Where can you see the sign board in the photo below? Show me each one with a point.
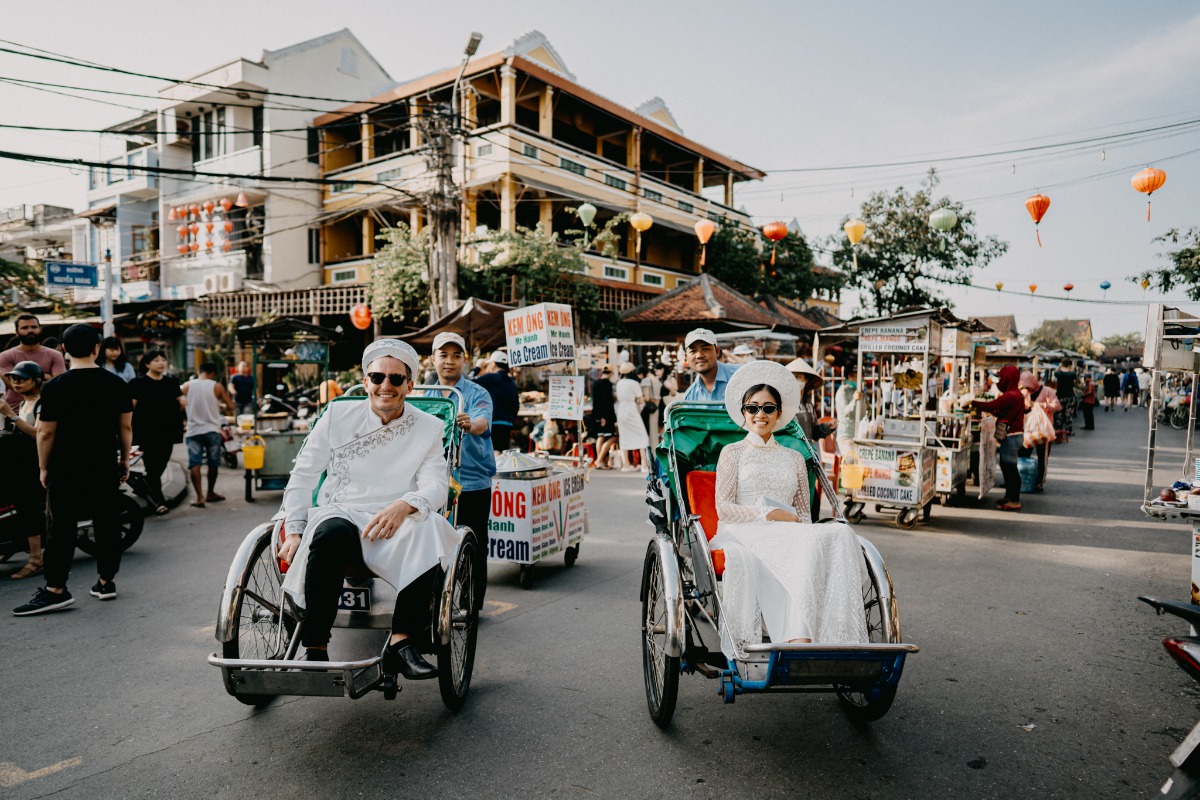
(566, 397)
(987, 455)
(540, 334)
(891, 476)
(892, 339)
(532, 519)
(72, 273)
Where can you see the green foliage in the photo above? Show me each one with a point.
(734, 258)
(29, 283)
(400, 280)
(1131, 339)
(1052, 335)
(1183, 271)
(901, 259)
(742, 259)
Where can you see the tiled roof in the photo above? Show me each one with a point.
(796, 317)
(1004, 327)
(705, 299)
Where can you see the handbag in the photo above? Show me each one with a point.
(1039, 428)
(1001, 431)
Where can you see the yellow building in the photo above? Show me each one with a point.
(537, 143)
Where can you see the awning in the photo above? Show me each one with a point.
(480, 322)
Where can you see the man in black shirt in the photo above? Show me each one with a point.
(84, 436)
(604, 416)
(505, 400)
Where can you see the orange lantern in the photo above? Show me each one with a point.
(208, 244)
(1067, 287)
(1037, 206)
(641, 222)
(226, 204)
(194, 246)
(360, 316)
(228, 226)
(208, 226)
(182, 230)
(704, 229)
(227, 246)
(241, 201)
(194, 227)
(194, 210)
(999, 285)
(775, 231)
(171, 216)
(1145, 284)
(1032, 288)
(208, 206)
(1149, 181)
(183, 248)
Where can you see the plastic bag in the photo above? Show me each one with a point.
(1039, 428)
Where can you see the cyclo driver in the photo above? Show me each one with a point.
(371, 453)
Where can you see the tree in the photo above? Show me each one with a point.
(741, 259)
(901, 259)
(400, 280)
(1052, 335)
(1131, 339)
(22, 284)
(1184, 268)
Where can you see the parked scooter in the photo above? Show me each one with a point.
(1184, 783)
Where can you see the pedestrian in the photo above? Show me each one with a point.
(850, 408)
(477, 460)
(1065, 380)
(27, 348)
(1130, 386)
(241, 386)
(205, 397)
(810, 382)
(113, 359)
(506, 401)
(1088, 401)
(1048, 400)
(19, 461)
(709, 375)
(631, 430)
(1112, 389)
(651, 399)
(1144, 381)
(1009, 411)
(84, 435)
(604, 416)
(158, 408)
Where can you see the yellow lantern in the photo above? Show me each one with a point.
(1145, 284)
(641, 221)
(855, 229)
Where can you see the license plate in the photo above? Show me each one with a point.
(354, 599)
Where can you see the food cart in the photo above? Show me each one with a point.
(537, 501)
(906, 442)
(293, 354)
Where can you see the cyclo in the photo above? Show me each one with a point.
(681, 588)
(259, 626)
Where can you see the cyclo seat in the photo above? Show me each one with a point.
(702, 500)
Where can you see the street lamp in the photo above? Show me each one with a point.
(468, 51)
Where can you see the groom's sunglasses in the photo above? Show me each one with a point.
(754, 408)
(397, 379)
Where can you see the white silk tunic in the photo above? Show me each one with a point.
(369, 465)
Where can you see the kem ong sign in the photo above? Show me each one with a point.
(540, 334)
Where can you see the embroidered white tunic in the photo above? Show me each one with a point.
(804, 581)
(369, 465)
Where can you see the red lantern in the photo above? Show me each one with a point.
(194, 246)
(775, 231)
(226, 204)
(228, 226)
(208, 206)
(1067, 287)
(208, 226)
(194, 210)
(1037, 206)
(183, 248)
(1148, 181)
(360, 316)
(208, 244)
(182, 230)
(704, 230)
(194, 227)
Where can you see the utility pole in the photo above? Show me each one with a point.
(442, 207)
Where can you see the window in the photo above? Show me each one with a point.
(650, 279)
(615, 182)
(208, 130)
(686, 207)
(682, 282)
(529, 151)
(314, 245)
(619, 273)
(314, 146)
(256, 135)
(572, 166)
(341, 186)
(650, 194)
(483, 150)
(344, 276)
(715, 217)
(390, 174)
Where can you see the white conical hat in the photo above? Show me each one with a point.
(777, 376)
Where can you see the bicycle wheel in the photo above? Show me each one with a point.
(660, 670)
(867, 704)
(456, 659)
(262, 626)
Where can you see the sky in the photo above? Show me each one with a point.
(778, 85)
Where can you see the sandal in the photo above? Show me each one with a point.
(161, 510)
(198, 505)
(215, 498)
(32, 567)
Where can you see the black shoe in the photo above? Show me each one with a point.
(44, 601)
(402, 658)
(104, 591)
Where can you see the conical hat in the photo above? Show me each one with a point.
(770, 373)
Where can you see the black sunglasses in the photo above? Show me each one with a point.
(397, 379)
(753, 408)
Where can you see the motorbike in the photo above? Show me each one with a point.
(1184, 783)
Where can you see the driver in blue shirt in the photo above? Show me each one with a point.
(710, 375)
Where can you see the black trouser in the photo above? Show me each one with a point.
(155, 457)
(336, 544)
(474, 509)
(501, 434)
(67, 505)
(1089, 410)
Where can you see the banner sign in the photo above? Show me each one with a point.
(892, 339)
(532, 519)
(72, 273)
(539, 334)
(566, 397)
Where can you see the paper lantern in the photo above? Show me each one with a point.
(776, 232)
(1032, 288)
(208, 244)
(227, 246)
(208, 206)
(241, 201)
(641, 221)
(1149, 181)
(1104, 287)
(855, 229)
(229, 226)
(1067, 287)
(172, 216)
(1145, 284)
(194, 227)
(587, 213)
(182, 230)
(194, 210)
(704, 229)
(226, 204)
(208, 226)
(999, 285)
(360, 316)
(183, 248)
(1037, 205)
(944, 219)
(194, 246)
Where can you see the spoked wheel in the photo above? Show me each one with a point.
(130, 520)
(867, 704)
(661, 671)
(262, 626)
(456, 659)
(1179, 417)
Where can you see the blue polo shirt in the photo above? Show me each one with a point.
(478, 460)
(697, 392)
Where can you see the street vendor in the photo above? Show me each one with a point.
(385, 481)
(710, 376)
(478, 465)
(850, 408)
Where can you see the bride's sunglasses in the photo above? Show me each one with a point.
(754, 408)
(397, 379)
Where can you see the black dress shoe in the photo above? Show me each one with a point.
(402, 658)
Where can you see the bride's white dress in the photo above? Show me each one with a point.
(802, 580)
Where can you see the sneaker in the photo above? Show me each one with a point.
(44, 601)
(104, 591)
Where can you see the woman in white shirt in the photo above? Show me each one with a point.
(631, 432)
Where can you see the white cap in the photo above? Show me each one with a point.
(498, 357)
(743, 350)
(394, 348)
(448, 337)
(700, 335)
(625, 368)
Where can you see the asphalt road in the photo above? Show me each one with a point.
(1023, 619)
